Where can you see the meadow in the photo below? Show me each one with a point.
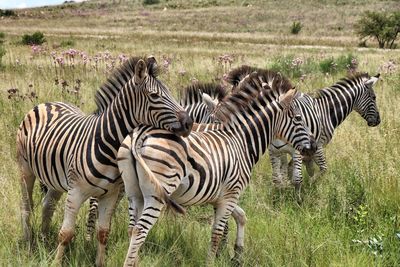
(350, 217)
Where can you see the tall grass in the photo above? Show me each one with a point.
(350, 217)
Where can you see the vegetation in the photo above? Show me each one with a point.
(296, 27)
(36, 38)
(2, 49)
(350, 217)
(7, 13)
(383, 27)
(151, 2)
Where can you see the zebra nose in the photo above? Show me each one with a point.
(186, 123)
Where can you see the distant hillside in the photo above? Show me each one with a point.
(330, 21)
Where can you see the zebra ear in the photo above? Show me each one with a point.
(286, 99)
(210, 103)
(140, 71)
(152, 64)
(372, 81)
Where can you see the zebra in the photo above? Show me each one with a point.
(76, 153)
(192, 102)
(323, 113)
(211, 166)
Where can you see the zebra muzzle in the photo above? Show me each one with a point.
(185, 124)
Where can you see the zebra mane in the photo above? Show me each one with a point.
(353, 77)
(117, 80)
(276, 81)
(193, 93)
(248, 92)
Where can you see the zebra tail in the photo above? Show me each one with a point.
(136, 145)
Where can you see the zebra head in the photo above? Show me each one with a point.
(366, 103)
(162, 110)
(291, 126)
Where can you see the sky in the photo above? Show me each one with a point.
(4, 4)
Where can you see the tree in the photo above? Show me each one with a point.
(381, 26)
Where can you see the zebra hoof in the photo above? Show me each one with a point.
(236, 262)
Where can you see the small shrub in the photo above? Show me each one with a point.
(67, 43)
(384, 27)
(35, 39)
(296, 27)
(150, 2)
(342, 63)
(7, 13)
(328, 66)
(293, 67)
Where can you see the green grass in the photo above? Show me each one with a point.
(357, 199)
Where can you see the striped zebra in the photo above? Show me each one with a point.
(192, 102)
(76, 153)
(323, 113)
(214, 166)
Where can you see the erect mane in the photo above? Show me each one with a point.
(117, 80)
(354, 78)
(278, 83)
(248, 92)
(193, 93)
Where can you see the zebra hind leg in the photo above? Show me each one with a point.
(240, 218)
(224, 239)
(27, 182)
(319, 158)
(92, 218)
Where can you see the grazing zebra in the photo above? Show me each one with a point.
(192, 102)
(211, 166)
(323, 113)
(76, 153)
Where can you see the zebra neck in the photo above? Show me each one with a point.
(255, 129)
(117, 120)
(337, 102)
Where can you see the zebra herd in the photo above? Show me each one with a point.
(166, 154)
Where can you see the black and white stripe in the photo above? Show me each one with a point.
(76, 153)
(211, 166)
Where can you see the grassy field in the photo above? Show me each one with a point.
(351, 217)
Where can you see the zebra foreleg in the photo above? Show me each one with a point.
(222, 214)
(49, 205)
(106, 206)
(319, 158)
(240, 218)
(74, 200)
(297, 178)
(276, 168)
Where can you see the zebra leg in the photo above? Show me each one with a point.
(297, 178)
(126, 165)
(319, 158)
(49, 205)
(240, 218)
(151, 212)
(284, 168)
(276, 168)
(27, 182)
(74, 200)
(106, 207)
(223, 212)
(224, 238)
(92, 217)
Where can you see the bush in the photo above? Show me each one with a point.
(342, 63)
(67, 43)
(293, 67)
(35, 39)
(7, 13)
(296, 27)
(381, 26)
(150, 2)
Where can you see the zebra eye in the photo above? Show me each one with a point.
(297, 117)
